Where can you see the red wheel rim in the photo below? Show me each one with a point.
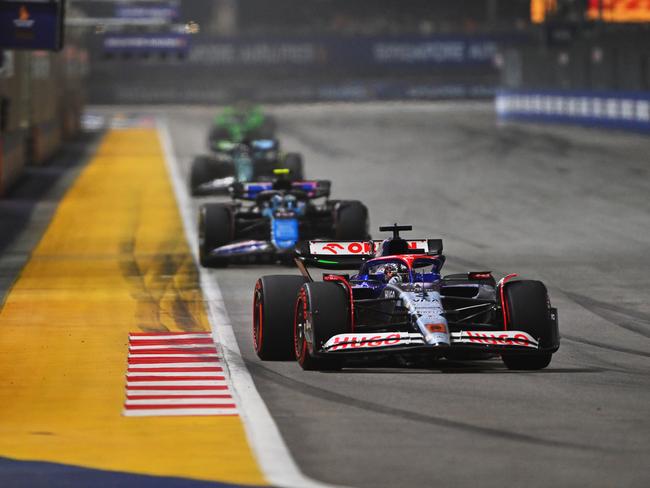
(299, 339)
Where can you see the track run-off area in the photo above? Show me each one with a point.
(111, 287)
(114, 261)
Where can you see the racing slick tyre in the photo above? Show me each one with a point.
(218, 133)
(528, 309)
(351, 221)
(199, 173)
(274, 300)
(216, 228)
(293, 162)
(205, 169)
(323, 308)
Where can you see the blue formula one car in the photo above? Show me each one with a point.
(398, 303)
(266, 219)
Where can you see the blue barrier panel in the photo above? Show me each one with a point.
(617, 110)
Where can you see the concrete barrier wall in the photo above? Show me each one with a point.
(13, 148)
(41, 98)
(14, 86)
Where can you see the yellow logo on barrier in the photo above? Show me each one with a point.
(605, 10)
(539, 9)
(619, 10)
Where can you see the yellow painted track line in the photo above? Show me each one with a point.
(114, 260)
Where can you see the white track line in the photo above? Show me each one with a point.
(167, 412)
(183, 393)
(175, 365)
(149, 337)
(264, 437)
(207, 402)
(195, 355)
(171, 346)
(177, 383)
(187, 374)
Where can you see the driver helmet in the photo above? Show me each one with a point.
(291, 202)
(277, 201)
(390, 270)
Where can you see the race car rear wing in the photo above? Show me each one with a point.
(351, 254)
(329, 260)
(370, 248)
(312, 188)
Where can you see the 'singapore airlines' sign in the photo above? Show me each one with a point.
(619, 10)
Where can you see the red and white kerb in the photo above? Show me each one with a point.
(175, 373)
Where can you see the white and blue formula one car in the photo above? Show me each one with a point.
(398, 303)
(266, 219)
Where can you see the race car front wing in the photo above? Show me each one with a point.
(383, 341)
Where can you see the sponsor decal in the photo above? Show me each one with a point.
(352, 342)
(356, 248)
(23, 21)
(333, 247)
(420, 52)
(365, 341)
(480, 275)
(31, 24)
(427, 309)
(500, 338)
(436, 328)
(165, 12)
(344, 248)
(257, 53)
(147, 42)
(427, 305)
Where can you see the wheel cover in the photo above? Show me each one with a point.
(201, 235)
(299, 339)
(258, 318)
(201, 228)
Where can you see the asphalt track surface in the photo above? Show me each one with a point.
(567, 206)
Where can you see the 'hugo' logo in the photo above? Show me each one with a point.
(352, 342)
(489, 338)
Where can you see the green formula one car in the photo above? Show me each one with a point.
(236, 124)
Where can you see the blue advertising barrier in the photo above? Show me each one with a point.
(31, 25)
(617, 110)
(400, 52)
